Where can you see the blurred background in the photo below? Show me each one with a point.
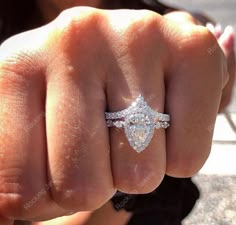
(217, 179)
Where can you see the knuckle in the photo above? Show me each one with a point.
(146, 24)
(15, 76)
(77, 30)
(76, 21)
(205, 39)
(140, 179)
(18, 63)
(149, 18)
(86, 197)
(19, 67)
(185, 16)
(197, 46)
(181, 17)
(142, 30)
(16, 59)
(196, 40)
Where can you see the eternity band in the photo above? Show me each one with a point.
(139, 122)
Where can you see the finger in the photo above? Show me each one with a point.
(193, 94)
(137, 172)
(133, 172)
(218, 30)
(78, 144)
(214, 29)
(226, 42)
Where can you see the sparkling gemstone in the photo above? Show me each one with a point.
(139, 134)
(118, 124)
(139, 130)
(109, 123)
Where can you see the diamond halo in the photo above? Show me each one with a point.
(139, 122)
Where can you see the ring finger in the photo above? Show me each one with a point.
(133, 172)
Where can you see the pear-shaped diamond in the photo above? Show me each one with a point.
(139, 129)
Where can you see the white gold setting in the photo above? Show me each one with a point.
(139, 122)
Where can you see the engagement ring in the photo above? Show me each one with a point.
(139, 122)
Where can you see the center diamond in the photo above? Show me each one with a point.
(139, 129)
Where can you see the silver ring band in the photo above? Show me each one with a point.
(121, 123)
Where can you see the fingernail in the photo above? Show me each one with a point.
(218, 27)
(210, 27)
(229, 29)
(227, 38)
(218, 30)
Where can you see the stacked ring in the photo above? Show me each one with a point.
(139, 122)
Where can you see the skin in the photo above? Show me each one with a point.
(47, 91)
(106, 213)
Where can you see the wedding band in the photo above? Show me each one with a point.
(139, 122)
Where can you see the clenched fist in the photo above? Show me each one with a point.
(56, 153)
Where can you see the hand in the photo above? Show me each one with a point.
(57, 81)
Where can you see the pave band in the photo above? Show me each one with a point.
(139, 122)
(121, 123)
